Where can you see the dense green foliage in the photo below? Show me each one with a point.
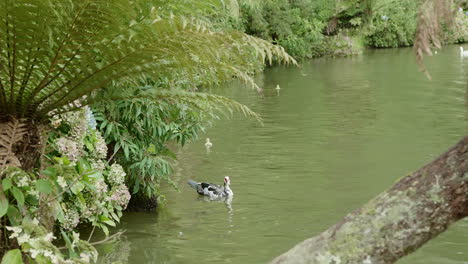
(393, 24)
(138, 133)
(316, 28)
(296, 25)
(458, 31)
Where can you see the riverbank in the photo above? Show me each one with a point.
(319, 28)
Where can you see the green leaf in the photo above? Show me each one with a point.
(116, 218)
(68, 243)
(19, 196)
(32, 200)
(93, 174)
(82, 200)
(109, 222)
(83, 166)
(106, 220)
(58, 212)
(90, 186)
(103, 218)
(12, 257)
(104, 229)
(3, 205)
(65, 160)
(50, 172)
(117, 147)
(126, 152)
(77, 187)
(13, 215)
(89, 145)
(6, 183)
(44, 186)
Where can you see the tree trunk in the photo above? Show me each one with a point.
(398, 221)
(21, 145)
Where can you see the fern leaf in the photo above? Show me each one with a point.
(93, 43)
(11, 133)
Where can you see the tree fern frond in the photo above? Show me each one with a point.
(54, 52)
(11, 133)
(204, 102)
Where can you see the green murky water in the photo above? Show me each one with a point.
(339, 132)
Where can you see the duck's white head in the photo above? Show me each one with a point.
(208, 140)
(227, 180)
(227, 188)
(461, 49)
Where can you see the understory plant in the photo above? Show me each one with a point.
(138, 132)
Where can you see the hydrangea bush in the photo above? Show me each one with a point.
(77, 187)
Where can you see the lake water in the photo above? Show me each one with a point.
(339, 132)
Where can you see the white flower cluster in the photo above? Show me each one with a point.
(35, 243)
(77, 138)
(101, 147)
(21, 178)
(69, 148)
(96, 201)
(98, 165)
(116, 175)
(71, 219)
(90, 210)
(62, 182)
(24, 181)
(42, 246)
(90, 117)
(78, 123)
(34, 193)
(120, 195)
(101, 186)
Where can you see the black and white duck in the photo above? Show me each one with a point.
(211, 190)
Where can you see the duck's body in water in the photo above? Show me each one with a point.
(208, 143)
(211, 190)
(463, 53)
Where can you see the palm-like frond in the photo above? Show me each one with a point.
(203, 102)
(55, 52)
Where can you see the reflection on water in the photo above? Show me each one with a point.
(226, 200)
(338, 132)
(118, 252)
